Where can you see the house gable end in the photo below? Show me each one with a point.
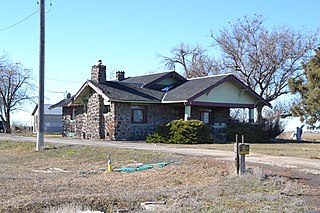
(229, 89)
(227, 92)
(85, 91)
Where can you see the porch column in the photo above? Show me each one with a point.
(251, 115)
(187, 112)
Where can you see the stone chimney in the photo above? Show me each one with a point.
(120, 75)
(98, 72)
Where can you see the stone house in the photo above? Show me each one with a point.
(130, 108)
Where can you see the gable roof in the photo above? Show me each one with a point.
(122, 91)
(196, 87)
(153, 78)
(191, 88)
(62, 103)
(48, 110)
(135, 89)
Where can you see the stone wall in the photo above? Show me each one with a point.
(92, 127)
(70, 117)
(116, 124)
(86, 125)
(126, 130)
(109, 123)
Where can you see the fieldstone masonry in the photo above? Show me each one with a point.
(117, 123)
(98, 72)
(126, 130)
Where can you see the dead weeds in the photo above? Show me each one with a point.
(190, 184)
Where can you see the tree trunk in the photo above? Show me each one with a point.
(6, 124)
(259, 113)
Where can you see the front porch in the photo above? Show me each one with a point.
(215, 115)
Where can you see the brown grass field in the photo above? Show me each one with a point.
(288, 148)
(72, 178)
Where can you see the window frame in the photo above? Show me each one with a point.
(139, 108)
(106, 109)
(202, 116)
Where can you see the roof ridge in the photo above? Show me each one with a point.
(154, 73)
(210, 76)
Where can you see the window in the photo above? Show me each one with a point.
(85, 105)
(106, 109)
(73, 114)
(139, 114)
(205, 117)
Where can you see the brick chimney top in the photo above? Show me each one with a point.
(120, 75)
(98, 72)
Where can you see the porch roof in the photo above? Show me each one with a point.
(196, 87)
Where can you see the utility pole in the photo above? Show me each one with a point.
(40, 134)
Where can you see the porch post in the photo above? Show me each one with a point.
(187, 112)
(251, 115)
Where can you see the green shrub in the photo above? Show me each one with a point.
(159, 136)
(181, 132)
(252, 132)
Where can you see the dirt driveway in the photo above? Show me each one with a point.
(304, 165)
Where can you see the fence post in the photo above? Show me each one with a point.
(236, 149)
(242, 157)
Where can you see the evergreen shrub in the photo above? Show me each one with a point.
(181, 132)
(252, 132)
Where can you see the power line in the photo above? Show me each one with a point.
(55, 91)
(29, 16)
(54, 79)
(19, 22)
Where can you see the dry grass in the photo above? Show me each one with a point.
(307, 136)
(303, 150)
(191, 184)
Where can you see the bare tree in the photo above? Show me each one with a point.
(193, 60)
(15, 89)
(239, 114)
(281, 108)
(264, 59)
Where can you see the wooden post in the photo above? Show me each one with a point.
(40, 134)
(237, 154)
(242, 160)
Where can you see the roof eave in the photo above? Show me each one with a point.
(135, 101)
(34, 110)
(169, 102)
